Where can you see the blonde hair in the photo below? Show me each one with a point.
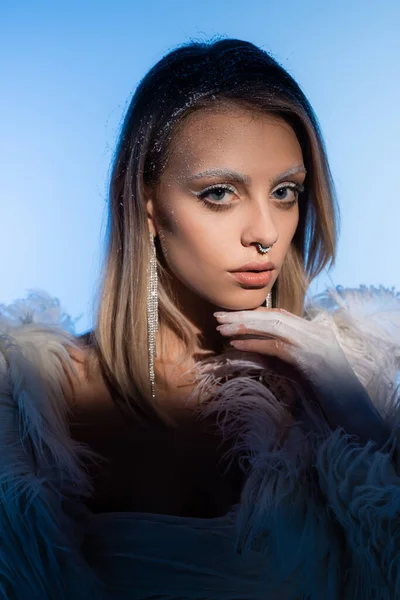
(192, 77)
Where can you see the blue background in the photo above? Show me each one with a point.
(68, 70)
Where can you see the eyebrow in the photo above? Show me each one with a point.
(236, 177)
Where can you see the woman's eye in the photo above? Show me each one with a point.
(216, 194)
(287, 193)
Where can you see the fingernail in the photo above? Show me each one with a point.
(228, 328)
(236, 344)
(219, 314)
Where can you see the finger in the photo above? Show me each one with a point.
(270, 317)
(276, 348)
(273, 328)
(245, 327)
(261, 312)
(234, 329)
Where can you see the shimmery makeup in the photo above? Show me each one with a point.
(236, 177)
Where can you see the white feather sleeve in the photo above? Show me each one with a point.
(366, 321)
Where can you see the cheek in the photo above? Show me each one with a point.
(288, 228)
(194, 239)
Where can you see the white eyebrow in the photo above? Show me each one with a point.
(235, 176)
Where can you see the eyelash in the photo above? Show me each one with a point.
(201, 196)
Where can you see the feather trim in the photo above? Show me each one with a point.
(41, 477)
(362, 489)
(38, 307)
(366, 321)
(282, 512)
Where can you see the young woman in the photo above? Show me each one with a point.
(214, 436)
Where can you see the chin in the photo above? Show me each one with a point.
(253, 300)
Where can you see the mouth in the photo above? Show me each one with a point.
(254, 279)
(255, 267)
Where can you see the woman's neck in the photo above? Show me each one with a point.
(200, 314)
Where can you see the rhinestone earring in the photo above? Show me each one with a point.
(268, 300)
(152, 311)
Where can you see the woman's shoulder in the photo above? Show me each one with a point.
(88, 388)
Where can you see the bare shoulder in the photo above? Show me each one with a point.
(87, 386)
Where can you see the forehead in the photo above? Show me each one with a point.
(231, 133)
(232, 136)
(226, 120)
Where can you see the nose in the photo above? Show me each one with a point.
(259, 226)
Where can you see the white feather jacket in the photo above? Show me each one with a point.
(296, 496)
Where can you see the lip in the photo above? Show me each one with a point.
(254, 280)
(255, 266)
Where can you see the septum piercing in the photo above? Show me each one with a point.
(263, 249)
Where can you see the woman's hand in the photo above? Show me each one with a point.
(314, 351)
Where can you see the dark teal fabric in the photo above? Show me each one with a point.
(157, 556)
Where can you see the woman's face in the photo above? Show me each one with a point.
(209, 224)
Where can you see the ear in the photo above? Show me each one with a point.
(150, 216)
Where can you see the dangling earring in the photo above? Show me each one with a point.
(152, 311)
(268, 300)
